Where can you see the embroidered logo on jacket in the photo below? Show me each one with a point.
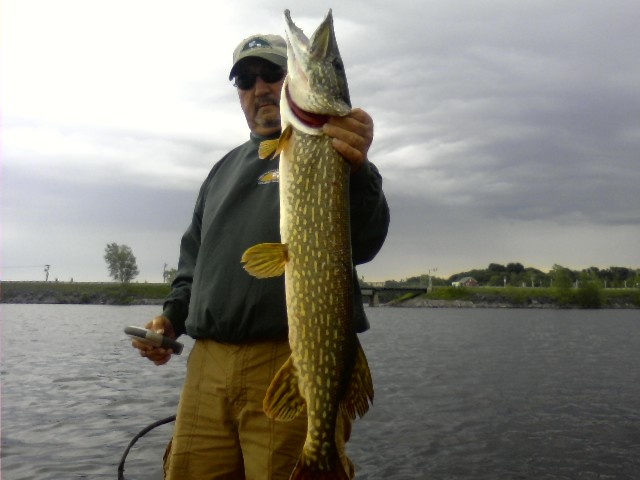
(272, 176)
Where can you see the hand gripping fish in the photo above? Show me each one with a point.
(327, 371)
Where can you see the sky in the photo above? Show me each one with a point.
(505, 131)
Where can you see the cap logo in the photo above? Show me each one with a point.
(256, 43)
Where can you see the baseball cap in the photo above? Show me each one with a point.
(270, 47)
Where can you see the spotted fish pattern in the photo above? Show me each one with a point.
(327, 371)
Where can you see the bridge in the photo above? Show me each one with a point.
(372, 291)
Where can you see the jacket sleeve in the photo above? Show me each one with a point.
(176, 305)
(369, 214)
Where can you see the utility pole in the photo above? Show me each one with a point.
(430, 285)
(46, 272)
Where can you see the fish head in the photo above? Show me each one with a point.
(316, 80)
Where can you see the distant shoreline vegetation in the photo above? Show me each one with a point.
(585, 295)
(520, 297)
(514, 285)
(517, 275)
(113, 293)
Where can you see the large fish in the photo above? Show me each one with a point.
(327, 371)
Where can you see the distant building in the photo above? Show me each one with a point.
(465, 282)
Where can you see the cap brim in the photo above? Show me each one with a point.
(274, 58)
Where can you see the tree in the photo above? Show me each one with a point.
(121, 262)
(170, 275)
(589, 292)
(516, 268)
(562, 282)
(561, 277)
(496, 267)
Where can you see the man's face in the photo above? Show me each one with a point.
(260, 102)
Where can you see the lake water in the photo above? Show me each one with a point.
(460, 394)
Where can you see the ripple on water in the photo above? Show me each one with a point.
(460, 394)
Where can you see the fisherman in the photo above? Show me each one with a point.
(239, 323)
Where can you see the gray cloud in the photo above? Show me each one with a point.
(505, 132)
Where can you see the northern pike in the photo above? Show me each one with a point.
(327, 371)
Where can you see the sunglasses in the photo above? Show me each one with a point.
(246, 81)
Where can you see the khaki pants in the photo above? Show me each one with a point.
(221, 431)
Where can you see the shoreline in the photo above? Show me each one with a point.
(533, 304)
(412, 303)
(77, 293)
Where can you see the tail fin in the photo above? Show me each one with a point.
(310, 470)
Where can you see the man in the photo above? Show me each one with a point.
(239, 322)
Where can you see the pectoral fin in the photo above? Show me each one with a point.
(266, 259)
(272, 148)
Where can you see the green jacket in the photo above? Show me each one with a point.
(238, 206)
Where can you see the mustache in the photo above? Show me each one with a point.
(264, 101)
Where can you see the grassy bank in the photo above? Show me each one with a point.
(154, 293)
(83, 293)
(588, 297)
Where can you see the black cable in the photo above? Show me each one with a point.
(142, 433)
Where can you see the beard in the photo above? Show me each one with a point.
(268, 122)
(267, 113)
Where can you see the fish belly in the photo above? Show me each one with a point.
(314, 183)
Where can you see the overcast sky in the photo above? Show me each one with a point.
(506, 131)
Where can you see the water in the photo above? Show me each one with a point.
(460, 394)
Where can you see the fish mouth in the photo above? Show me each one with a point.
(297, 41)
(313, 120)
